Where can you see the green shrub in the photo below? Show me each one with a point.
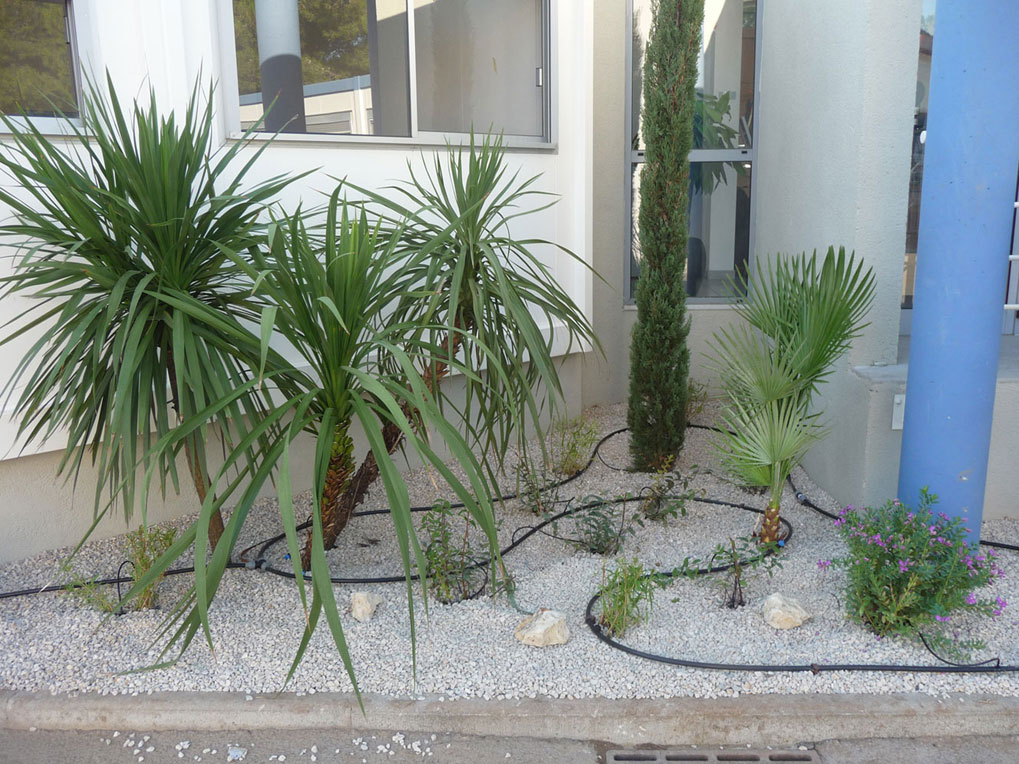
(910, 570)
(572, 441)
(659, 502)
(142, 548)
(600, 525)
(745, 558)
(627, 595)
(451, 571)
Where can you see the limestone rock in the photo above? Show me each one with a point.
(363, 604)
(546, 627)
(784, 612)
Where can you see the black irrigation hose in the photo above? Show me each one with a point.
(117, 580)
(991, 666)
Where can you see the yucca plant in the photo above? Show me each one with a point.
(339, 304)
(497, 309)
(135, 312)
(798, 320)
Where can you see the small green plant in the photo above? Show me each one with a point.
(660, 501)
(910, 572)
(696, 399)
(572, 441)
(745, 558)
(537, 488)
(800, 317)
(627, 596)
(142, 548)
(600, 525)
(451, 570)
(85, 591)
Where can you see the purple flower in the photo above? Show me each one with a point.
(942, 618)
(971, 599)
(823, 564)
(903, 566)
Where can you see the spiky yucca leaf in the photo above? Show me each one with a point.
(136, 312)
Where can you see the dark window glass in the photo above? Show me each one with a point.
(353, 64)
(36, 70)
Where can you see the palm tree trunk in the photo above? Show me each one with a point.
(392, 436)
(770, 527)
(333, 514)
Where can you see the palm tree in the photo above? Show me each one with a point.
(136, 311)
(798, 321)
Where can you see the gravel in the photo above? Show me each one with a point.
(53, 643)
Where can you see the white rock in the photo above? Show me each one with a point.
(546, 627)
(363, 604)
(784, 612)
(236, 753)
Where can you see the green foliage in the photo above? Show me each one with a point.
(377, 312)
(35, 60)
(537, 487)
(85, 591)
(744, 557)
(659, 501)
(142, 547)
(627, 596)
(136, 310)
(909, 570)
(491, 291)
(600, 525)
(712, 130)
(696, 399)
(659, 357)
(451, 563)
(572, 441)
(798, 319)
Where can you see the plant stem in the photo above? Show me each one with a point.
(198, 477)
(770, 527)
(392, 436)
(334, 514)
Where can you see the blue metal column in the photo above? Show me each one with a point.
(970, 163)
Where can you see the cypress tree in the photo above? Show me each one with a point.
(659, 357)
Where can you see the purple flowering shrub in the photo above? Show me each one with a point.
(911, 570)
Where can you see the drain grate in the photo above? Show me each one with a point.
(727, 755)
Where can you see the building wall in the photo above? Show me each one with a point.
(166, 45)
(837, 85)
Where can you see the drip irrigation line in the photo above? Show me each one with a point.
(992, 665)
(114, 581)
(805, 501)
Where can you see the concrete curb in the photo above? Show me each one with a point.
(760, 720)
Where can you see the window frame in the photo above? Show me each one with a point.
(58, 126)
(545, 141)
(634, 156)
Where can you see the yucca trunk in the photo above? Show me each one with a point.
(770, 527)
(368, 472)
(198, 476)
(335, 515)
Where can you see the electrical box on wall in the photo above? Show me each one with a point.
(898, 410)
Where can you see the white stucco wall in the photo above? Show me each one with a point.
(166, 45)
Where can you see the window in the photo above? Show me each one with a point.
(394, 67)
(722, 160)
(37, 73)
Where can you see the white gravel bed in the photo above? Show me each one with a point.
(468, 649)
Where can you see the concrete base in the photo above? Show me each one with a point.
(776, 720)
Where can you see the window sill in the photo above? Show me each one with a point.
(51, 127)
(510, 143)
